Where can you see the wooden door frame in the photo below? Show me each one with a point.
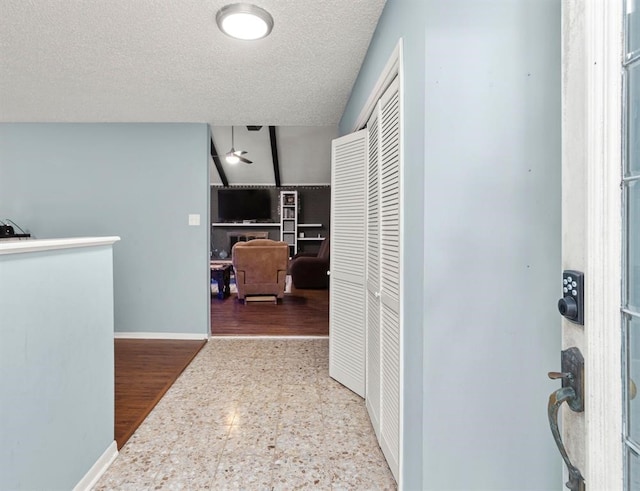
(592, 79)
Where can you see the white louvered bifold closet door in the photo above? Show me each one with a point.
(364, 319)
(390, 209)
(348, 252)
(373, 276)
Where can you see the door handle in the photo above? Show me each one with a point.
(571, 392)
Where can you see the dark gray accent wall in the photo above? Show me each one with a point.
(314, 207)
(136, 181)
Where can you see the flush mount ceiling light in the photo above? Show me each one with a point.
(244, 21)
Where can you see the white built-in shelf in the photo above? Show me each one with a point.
(310, 238)
(263, 224)
(289, 219)
(254, 225)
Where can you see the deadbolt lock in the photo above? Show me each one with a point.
(571, 305)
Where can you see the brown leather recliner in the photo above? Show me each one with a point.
(310, 272)
(260, 267)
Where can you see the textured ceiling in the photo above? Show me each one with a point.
(166, 61)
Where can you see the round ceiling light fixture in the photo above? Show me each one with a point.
(244, 21)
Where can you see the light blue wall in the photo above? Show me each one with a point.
(406, 19)
(482, 143)
(136, 181)
(493, 222)
(56, 361)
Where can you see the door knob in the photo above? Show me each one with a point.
(571, 392)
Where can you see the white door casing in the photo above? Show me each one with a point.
(348, 255)
(591, 229)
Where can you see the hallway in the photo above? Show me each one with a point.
(258, 414)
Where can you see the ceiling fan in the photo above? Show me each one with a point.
(234, 156)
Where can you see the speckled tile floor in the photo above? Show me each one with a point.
(254, 414)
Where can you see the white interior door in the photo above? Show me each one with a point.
(592, 232)
(383, 275)
(373, 383)
(348, 255)
(390, 215)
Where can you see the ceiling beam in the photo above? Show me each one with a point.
(218, 164)
(274, 154)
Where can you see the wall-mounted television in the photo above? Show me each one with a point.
(235, 205)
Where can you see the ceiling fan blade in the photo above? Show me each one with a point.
(237, 153)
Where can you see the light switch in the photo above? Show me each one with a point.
(194, 220)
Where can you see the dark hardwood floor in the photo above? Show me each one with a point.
(301, 313)
(144, 371)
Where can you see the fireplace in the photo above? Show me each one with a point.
(234, 237)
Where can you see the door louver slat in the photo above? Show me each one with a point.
(348, 255)
(390, 276)
(373, 276)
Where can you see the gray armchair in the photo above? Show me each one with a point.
(310, 272)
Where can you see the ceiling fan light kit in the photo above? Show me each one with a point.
(231, 158)
(244, 21)
(234, 156)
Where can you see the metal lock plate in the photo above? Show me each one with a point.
(573, 363)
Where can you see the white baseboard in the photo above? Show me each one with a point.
(252, 336)
(160, 335)
(99, 468)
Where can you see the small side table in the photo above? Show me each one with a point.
(221, 273)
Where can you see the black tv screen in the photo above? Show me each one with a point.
(235, 205)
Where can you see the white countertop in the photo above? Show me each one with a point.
(38, 245)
